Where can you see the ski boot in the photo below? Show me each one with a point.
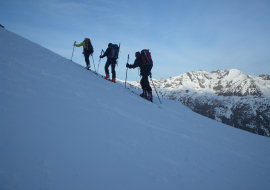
(144, 94)
(150, 96)
(113, 80)
(107, 76)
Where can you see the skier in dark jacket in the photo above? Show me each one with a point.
(145, 71)
(110, 61)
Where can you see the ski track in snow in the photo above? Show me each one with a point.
(63, 127)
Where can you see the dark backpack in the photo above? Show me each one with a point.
(146, 57)
(88, 46)
(114, 51)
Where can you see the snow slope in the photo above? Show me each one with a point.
(63, 127)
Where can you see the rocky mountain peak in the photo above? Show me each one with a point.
(264, 77)
(221, 82)
(228, 96)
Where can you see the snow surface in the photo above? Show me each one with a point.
(63, 127)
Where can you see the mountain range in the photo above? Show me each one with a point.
(228, 96)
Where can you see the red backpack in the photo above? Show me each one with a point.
(146, 57)
(88, 46)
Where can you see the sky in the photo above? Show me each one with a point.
(182, 36)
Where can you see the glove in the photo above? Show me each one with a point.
(100, 56)
(127, 65)
(150, 75)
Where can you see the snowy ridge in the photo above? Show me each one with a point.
(231, 97)
(264, 77)
(227, 83)
(63, 127)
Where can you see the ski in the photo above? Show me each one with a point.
(88, 68)
(141, 96)
(144, 98)
(107, 79)
(91, 70)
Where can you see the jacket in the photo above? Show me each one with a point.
(81, 44)
(144, 70)
(107, 54)
(85, 51)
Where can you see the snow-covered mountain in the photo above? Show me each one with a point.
(64, 127)
(264, 77)
(231, 97)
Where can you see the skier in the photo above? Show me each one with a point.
(87, 50)
(145, 71)
(110, 61)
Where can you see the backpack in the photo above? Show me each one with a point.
(146, 57)
(88, 46)
(114, 51)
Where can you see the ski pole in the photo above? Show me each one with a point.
(94, 62)
(73, 50)
(118, 52)
(154, 87)
(126, 71)
(100, 59)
